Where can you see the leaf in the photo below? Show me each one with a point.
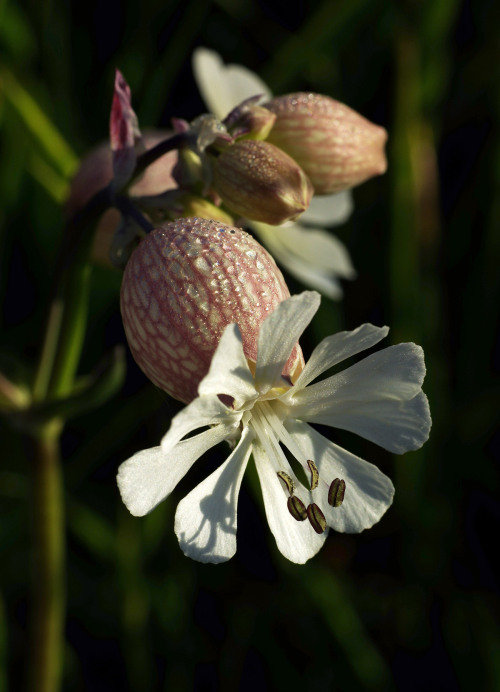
(38, 123)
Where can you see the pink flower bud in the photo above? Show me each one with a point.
(125, 135)
(336, 147)
(260, 182)
(96, 171)
(187, 281)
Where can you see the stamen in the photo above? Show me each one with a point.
(314, 473)
(316, 518)
(290, 485)
(336, 492)
(297, 508)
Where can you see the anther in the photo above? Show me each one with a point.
(314, 473)
(316, 518)
(336, 492)
(290, 485)
(297, 508)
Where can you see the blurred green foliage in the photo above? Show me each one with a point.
(411, 604)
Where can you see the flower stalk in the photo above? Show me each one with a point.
(48, 599)
(59, 357)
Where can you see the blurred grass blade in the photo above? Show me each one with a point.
(92, 530)
(87, 395)
(333, 23)
(161, 79)
(56, 186)
(38, 123)
(342, 619)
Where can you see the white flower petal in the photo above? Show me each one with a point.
(203, 411)
(206, 519)
(368, 493)
(229, 372)
(148, 477)
(329, 210)
(314, 278)
(224, 86)
(296, 540)
(312, 246)
(276, 241)
(396, 372)
(398, 426)
(336, 348)
(278, 335)
(321, 249)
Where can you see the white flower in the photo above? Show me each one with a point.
(379, 398)
(308, 253)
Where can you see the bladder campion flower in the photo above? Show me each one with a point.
(184, 283)
(335, 146)
(312, 255)
(259, 411)
(259, 181)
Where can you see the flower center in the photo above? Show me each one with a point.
(267, 421)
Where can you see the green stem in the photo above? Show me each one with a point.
(57, 367)
(45, 665)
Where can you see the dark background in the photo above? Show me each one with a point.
(411, 604)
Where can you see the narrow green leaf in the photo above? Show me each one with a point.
(39, 124)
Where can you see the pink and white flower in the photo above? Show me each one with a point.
(259, 412)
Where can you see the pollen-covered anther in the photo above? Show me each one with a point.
(336, 492)
(314, 473)
(290, 485)
(297, 508)
(316, 518)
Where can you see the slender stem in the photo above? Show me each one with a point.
(128, 208)
(76, 242)
(58, 363)
(49, 349)
(59, 358)
(45, 665)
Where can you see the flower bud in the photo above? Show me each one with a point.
(184, 283)
(336, 147)
(260, 182)
(250, 121)
(96, 171)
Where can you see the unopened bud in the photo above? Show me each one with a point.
(250, 121)
(316, 518)
(336, 147)
(297, 508)
(336, 492)
(260, 182)
(187, 281)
